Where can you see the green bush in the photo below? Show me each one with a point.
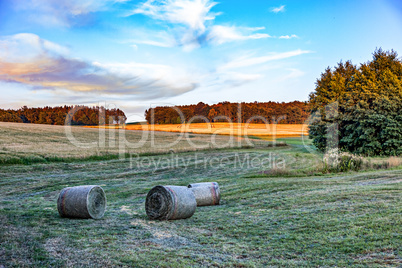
(336, 161)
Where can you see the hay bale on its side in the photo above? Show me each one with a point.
(88, 201)
(206, 193)
(170, 203)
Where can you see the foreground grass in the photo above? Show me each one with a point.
(343, 220)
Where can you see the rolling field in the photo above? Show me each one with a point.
(31, 143)
(277, 208)
(277, 130)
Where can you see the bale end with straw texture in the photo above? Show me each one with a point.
(170, 203)
(87, 201)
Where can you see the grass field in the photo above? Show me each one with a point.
(280, 212)
(31, 143)
(277, 130)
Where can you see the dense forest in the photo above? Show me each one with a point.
(280, 112)
(71, 115)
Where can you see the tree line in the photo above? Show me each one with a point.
(295, 112)
(358, 108)
(61, 115)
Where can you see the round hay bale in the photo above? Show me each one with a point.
(85, 202)
(170, 203)
(206, 193)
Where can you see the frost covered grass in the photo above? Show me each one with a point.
(283, 212)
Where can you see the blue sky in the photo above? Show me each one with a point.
(137, 54)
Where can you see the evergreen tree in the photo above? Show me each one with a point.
(370, 101)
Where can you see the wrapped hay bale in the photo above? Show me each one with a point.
(170, 203)
(206, 193)
(88, 201)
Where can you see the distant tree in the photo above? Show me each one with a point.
(9, 116)
(42, 118)
(295, 112)
(94, 119)
(73, 115)
(212, 113)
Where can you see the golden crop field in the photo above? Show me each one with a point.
(238, 129)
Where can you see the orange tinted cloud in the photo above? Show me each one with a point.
(27, 59)
(18, 69)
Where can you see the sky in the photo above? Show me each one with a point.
(139, 54)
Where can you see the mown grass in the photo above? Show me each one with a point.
(342, 220)
(278, 208)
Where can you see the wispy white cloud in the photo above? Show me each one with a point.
(246, 69)
(152, 43)
(191, 13)
(150, 37)
(222, 34)
(278, 9)
(192, 22)
(250, 61)
(235, 79)
(288, 36)
(20, 47)
(30, 60)
(293, 73)
(62, 13)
